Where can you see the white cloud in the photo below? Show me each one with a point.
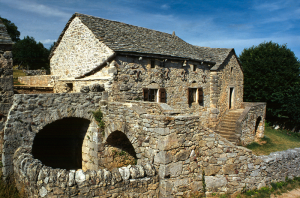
(37, 8)
(48, 41)
(165, 6)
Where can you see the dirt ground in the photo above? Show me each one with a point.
(291, 194)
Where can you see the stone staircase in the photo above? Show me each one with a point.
(227, 126)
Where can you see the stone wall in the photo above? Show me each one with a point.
(183, 153)
(229, 75)
(6, 81)
(35, 72)
(78, 53)
(39, 180)
(32, 112)
(39, 80)
(250, 125)
(6, 88)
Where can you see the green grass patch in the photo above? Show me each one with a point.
(275, 140)
(16, 74)
(10, 190)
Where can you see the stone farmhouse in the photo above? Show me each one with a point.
(135, 63)
(172, 111)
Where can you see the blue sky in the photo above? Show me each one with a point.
(210, 23)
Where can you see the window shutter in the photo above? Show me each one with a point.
(188, 95)
(200, 95)
(146, 94)
(162, 92)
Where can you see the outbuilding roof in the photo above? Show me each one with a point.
(4, 36)
(122, 37)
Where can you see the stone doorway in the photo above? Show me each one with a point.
(59, 144)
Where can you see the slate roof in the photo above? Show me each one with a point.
(4, 37)
(122, 37)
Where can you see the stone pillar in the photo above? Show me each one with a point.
(6, 88)
(214, 96)
(6, 78)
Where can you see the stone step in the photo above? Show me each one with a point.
(221, 131)
(228, 125)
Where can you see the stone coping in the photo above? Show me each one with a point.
(86, 79)
(247, 106)
(23, 160)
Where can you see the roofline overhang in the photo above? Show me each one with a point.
(161, 56)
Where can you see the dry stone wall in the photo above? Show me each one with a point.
(250, 125)
(179, 153)
(40, 80)
(6, 88)
(35, 72)
(32, 112)
(6, 81)
(39, 180)
(78, 52)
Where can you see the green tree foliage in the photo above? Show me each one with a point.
(29, 53)
(12, 29)
(271, 74)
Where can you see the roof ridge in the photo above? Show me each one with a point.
(175, 36)
(126, 38)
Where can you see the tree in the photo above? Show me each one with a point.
(28, 52)
(12, 29)
(271, 74)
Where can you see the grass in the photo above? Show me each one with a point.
(10, 190)
(275, 140)
(276, 189)
(16, 74)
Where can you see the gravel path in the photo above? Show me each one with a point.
(291, 194)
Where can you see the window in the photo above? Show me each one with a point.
(70, 86)
(154, 95)
(152, 63)
(193, 67)
(195, 95)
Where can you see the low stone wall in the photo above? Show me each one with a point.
(251, 123)
(279, 165)
(182, 153)
(41, 80)
(35, 72)
(42, 181)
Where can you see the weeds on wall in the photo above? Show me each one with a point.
(98, 115)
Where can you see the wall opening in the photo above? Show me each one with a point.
(257, 124)
(59, 144)
(118, 152)
(231, 97)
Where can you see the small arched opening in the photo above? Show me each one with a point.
(118, 152)
(59, 144)
(257, 125)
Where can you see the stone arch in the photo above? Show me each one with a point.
(59, 144)
(117, 151)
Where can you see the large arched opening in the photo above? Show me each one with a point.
(117, 152)
(59, 144)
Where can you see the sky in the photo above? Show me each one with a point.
(209, 23)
